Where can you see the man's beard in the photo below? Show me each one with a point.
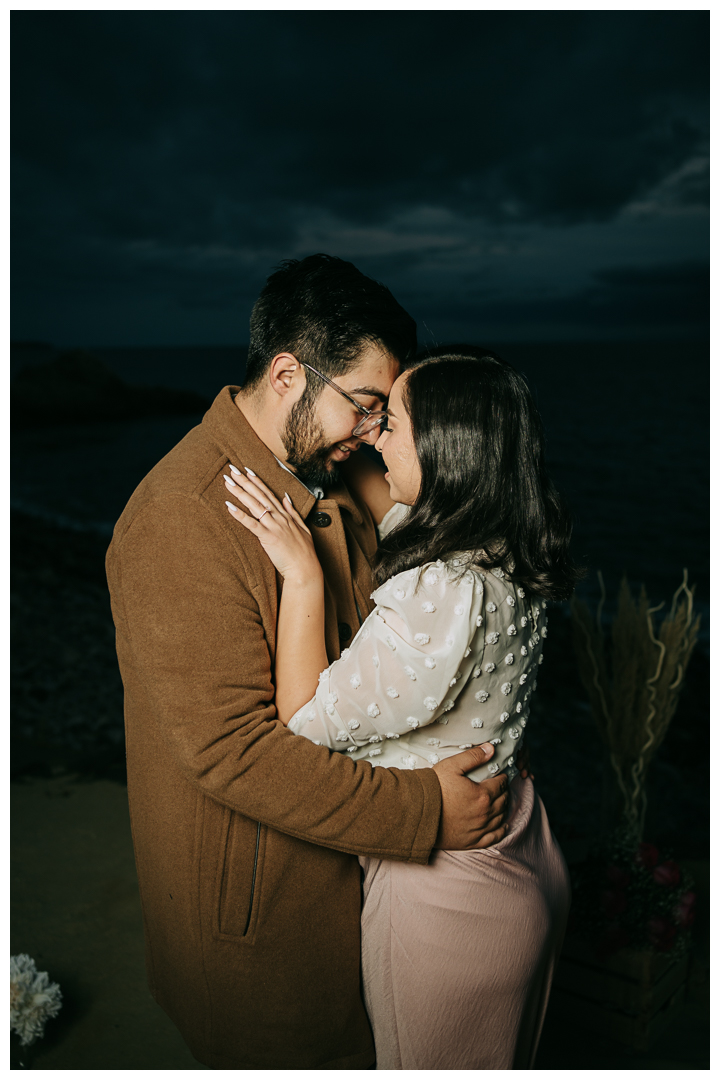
(306, 448)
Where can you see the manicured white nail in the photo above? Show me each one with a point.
(233, 469)
(230, 506)
(288, 498)
(249, 471)
(228, 481)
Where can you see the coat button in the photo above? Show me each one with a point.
(321, 519)
(344, 631)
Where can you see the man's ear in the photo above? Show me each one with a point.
(286, 375)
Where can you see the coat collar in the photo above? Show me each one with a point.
(243, 448)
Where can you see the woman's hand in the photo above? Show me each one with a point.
(277, 525)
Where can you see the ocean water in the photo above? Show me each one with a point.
(627, 441)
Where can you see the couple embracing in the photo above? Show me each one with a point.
(328, 666)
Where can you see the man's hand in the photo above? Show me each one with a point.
(472, 814)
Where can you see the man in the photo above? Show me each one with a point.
(245, 835)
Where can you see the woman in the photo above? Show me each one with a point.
(457, 955)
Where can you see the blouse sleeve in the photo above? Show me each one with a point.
(402, 671)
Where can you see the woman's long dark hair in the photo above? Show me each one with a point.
(484, 488)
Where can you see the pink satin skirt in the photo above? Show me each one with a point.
(458, 956)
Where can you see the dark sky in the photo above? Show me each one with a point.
(516, 175)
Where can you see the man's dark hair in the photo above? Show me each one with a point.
(484, 487)
(325, 312)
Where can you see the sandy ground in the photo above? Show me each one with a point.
(76, 911)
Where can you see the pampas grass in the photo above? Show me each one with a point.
(634, 681)
(33, 999)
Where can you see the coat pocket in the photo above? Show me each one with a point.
(238, 877)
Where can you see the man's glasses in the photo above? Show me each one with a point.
(370, 421)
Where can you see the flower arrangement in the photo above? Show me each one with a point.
(634, 681)
(33, 999)
(628, 895)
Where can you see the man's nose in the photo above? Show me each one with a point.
(371, 437)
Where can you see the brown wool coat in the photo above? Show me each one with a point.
(245, 834)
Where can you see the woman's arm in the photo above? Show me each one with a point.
(367, 478)
(300, 653)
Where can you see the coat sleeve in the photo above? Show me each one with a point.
(402, 671)
(190, 627)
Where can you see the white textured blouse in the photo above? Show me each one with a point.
(447, 660)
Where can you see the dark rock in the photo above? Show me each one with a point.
(77, 387)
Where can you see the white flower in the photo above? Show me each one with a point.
(408, 762)
(543, 603)
(453, 681)
(510, 760)
(448, 705)
(497, 572)
(521, 593)
(344, 654)
(449, 640)
(491, 607)
(332, 697)
(477, 671)
(373, 709)
(536, 612)
(523, 679)
(410, 673)
(324, 675)
(33, 999)
(495, 742)
(350, 749)
(509, 659)
(329, 710)
(354, 725)
(429, 607)
(412, 722)
(342, 736)
(512, 629)
(391, 643)
(513, 733)
(540, 658)
(518, 707)
(312, 715)
(392, 692)
(422, 639)
(504, 717)
(523, 721)
(374, 753)
(465, 746)
(459, 609)
(376, 661)
(374, 738)
(543, 631)
(365, 634)
(476, 723)
(493, 638)
(466, 653)
(523, 621)
(433, 742)
(490, 668)
(523, 650)
(482, 695)
(430, 704)
(478, 621)
(510, 601)
(429, 662)
(433, 759)
(493, 767)
(354, 681)
(392, 735)
(506, 688)
(399, 594)
(431, 577)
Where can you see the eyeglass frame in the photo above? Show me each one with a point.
(382, 414)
